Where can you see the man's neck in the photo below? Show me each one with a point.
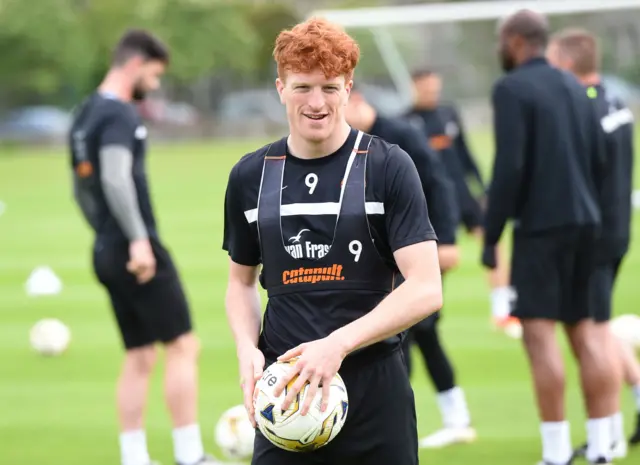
(304, 149)
(530, 54)
(116, 84)
(426, 106)
(591, 79)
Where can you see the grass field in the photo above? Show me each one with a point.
(59, 411)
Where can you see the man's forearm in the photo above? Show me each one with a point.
(408, 304)
(243, 313)
(120, 191)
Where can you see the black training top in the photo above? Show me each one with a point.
(98, 122)
(616, 120)
(549, 153)
(326, 252)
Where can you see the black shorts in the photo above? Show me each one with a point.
(552, 272)
(602, 282)
(381, 423)
(146, 313)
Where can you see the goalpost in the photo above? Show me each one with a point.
(459, 39)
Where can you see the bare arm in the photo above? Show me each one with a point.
(243, 305)
(412, 301)
(120, 191)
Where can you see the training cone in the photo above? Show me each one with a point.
(43, 281)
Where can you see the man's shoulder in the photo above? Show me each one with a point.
(448, 109)
(388, 156)
(250, 165)
(102, 110)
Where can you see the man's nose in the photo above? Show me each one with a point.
(316, 99)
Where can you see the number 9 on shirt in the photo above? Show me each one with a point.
(289, 430)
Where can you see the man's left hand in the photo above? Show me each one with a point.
(317, 363)
(489, 258)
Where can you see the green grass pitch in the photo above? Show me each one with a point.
(60, 411)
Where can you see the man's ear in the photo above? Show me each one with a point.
(280, 89)
(348, 87)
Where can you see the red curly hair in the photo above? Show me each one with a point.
(316, 44)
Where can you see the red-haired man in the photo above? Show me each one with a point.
(327, 195)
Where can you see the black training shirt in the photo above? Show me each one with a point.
(102, 121)
(396, 210)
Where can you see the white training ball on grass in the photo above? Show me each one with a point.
(289, 430)
(234, 433)
(49, 336)
(627, 329)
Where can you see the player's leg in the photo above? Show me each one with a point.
(631, 371)
(381, 426)
(163, 307)
(451, 399)
(139, 360)
(593, 347)
(536, 279)
(601, 290)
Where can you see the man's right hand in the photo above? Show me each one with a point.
(142, 262)
(251, 367)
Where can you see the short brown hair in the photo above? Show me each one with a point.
(138, 42)
(581, 47)
(316, 44)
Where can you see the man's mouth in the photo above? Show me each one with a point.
(316, 117)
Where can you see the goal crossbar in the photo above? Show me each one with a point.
(464, 11)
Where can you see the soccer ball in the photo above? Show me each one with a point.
(234, 433)
(49, 337)
(627, 329)
(288, 429)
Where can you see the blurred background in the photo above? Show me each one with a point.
(220, 82)
(218, 102)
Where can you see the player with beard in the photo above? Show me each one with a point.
(325, 218)
(440, 193)
(547, 177)
(108, 149)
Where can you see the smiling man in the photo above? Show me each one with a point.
(332, 214)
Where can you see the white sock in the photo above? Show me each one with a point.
(617, 428)
(501, 302)
(453, 407)
(636, 395)
(133, 448)
(556, 442)
(187, 444)
(599, 438)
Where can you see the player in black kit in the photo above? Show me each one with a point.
(548, 177)
(442, 128)
(108, 149)
(577, 51)
(443, 213)
(332, 202)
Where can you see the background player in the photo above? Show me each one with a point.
(547, 176)
(440, 195)
(577, 51)
(323, 196)
(107, 144)
(444, 131)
